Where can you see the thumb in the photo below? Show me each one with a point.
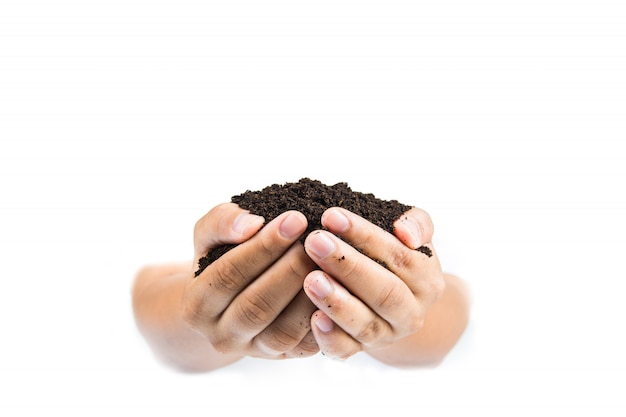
(414, 228)
(226, 223)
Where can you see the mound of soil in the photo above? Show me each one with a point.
(312, 198)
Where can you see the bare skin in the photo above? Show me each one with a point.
(271, 297)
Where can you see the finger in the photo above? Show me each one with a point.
(286, 336)
(218, 285)
(331, 339)
(224, 224)
(420, 271)
(377, 286)
(307, 347)
(366, 236)
(414, 228)
(353, 315)
(261, 302)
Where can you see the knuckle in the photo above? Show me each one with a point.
(255, 311)
(267, 246)
(401, 259)
(307, 347)
(280, 341)
(305, 264)
(371, 332)
(365, 242)
(192, 315)
(299, 265)
(390, 300)
(201, 323)
(296, 269)
(193, 312)
(223, 343)
(415, 321)
(351, 272)
(433, 288)
(227, 276)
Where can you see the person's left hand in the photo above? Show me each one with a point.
(364, 304)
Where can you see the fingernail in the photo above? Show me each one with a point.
(292, 226)
(325, 324)
(321, 245)
(245, 220)
(320, 285)
(336, 221)
(413, 229)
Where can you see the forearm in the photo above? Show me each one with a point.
(444, 324)
(157, 293)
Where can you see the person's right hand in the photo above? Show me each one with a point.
(250, 301)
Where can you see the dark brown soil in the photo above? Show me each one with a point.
(312, 198)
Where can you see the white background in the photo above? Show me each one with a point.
(122, 122)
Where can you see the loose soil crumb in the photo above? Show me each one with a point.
(425, 250)
(312, 198)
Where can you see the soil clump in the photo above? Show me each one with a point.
(312, 198)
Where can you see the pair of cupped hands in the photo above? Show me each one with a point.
(351, 287)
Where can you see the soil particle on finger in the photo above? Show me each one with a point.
(425, 250)
(311, 198)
